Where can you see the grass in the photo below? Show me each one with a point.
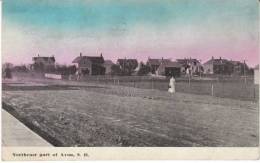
(225, 89)
(111, 115)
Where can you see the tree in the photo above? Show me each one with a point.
(115, 70)
(38, 67)
(128, 66)
(72, 70)
(144, 69)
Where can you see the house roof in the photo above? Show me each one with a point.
(187, 60)
(44, 58)
(93, 59)
(216, 61)
(157, 62)
(172, 64)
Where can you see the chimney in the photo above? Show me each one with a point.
(212, 58)
(101, 55)
(80, 54)
(220, 58)
(162, 58)
(38, 55)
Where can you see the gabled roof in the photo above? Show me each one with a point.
(93, 59)
(187, 60)
(216, 61)
(171, 64)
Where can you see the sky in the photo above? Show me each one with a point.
(130, 28)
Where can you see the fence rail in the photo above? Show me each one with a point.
(226, 87)
(234, 88)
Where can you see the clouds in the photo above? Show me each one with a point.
(130, 28)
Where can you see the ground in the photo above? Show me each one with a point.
(85, 114)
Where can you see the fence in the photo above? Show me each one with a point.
(234, 88)
(226, 87)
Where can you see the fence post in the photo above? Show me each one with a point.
(152, 84)
(254, 92)
(189, 81)
(212, 90)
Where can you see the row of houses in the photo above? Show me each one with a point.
(97, 65)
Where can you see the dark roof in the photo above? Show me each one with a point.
(187, 60)
(166, 61)
(93, 59)
(172, 64)
(157, 62)
(217, 61)
(44, 58)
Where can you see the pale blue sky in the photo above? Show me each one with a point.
(215, 21)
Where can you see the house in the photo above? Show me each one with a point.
(155, 63)
(169, 68)
(190, 66)
(218, 66)
(43, 64)
(108, 64)
(90, 65)
(256, 74)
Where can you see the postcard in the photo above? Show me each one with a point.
(130, 79)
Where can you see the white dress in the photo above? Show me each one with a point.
(172, 85)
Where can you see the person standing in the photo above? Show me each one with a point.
(172, 85)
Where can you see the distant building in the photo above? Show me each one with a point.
(108, 64)
(218, 66)
(7, 65)
(43, 64)
(190, 66)
(169, 68)
(90, 65)
(256, 74)
(155, 63)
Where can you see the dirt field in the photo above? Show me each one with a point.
(84, 114)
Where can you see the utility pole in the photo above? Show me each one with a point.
(245, 70)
